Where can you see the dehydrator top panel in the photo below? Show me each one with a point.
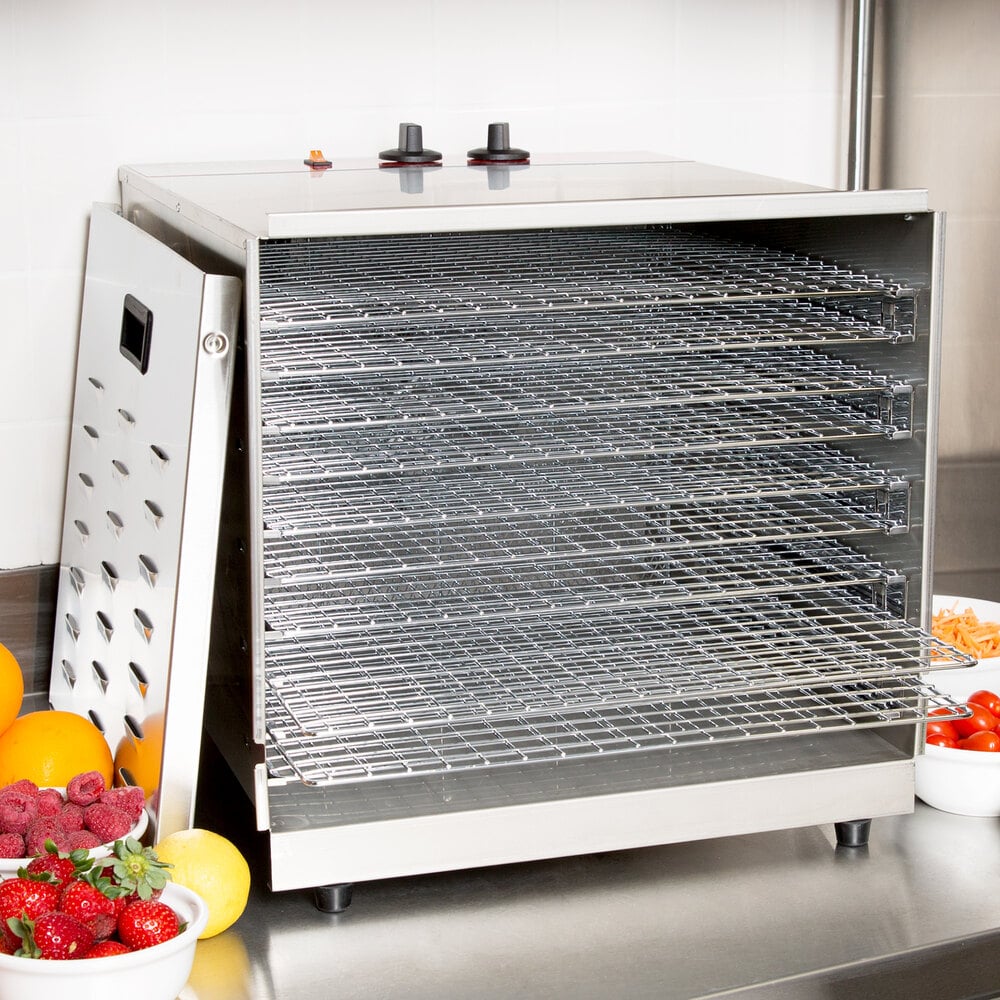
(288, 199)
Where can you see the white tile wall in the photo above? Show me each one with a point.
(86, 85)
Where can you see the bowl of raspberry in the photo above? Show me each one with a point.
(85, 815)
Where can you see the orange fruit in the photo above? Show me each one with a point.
(11, 687)
(137, 762)
(51, 747)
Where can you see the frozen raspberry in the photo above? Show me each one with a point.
(39, 830)
(16, 812)
(130, 799)
(85, 789)
(22, 787)
(106, 821)
(49, 802)
(82, 838)
(71, 817)
(11, 845)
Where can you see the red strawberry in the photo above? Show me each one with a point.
(105, 948)
(90, 906)
(147, 922)
(58, 867)
(25, 897)
(54, 935)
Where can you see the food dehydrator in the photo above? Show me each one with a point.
(570, 505)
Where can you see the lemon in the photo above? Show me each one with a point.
(213, 867)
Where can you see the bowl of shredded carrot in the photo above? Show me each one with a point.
(971, 626)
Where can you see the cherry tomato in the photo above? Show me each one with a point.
(989, 701)
(980, 720)
(982, 740)
(941, 727)
(940, 740)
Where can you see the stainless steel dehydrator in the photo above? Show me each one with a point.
(569, 506)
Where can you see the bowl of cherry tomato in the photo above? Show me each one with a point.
(959, 770)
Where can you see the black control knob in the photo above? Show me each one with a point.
(498, 148)
(411, 147)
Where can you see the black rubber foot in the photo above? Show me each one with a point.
(853, 832)
(333, 898)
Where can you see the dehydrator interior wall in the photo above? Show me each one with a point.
(605, 527)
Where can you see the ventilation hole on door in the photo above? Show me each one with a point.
(120, 469)
(77, 579)
(160, 457)
(91, 431)
(82, 530)
(139, 679)
(154, 513)
(96, 720)
(109, 575)
(115, 523)
(126, 419)
(148, 570)
(101, 676)
(104, 626)
(96, 383)
(144, 624)
(133, 728)
(73, 627)
(69, 674)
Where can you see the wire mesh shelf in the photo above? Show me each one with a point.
(327, 280)
(483, 742)
(573, 335)
(502, 541)
(707, 427)
(541, 489)
(440, 596)
(413, 677)
(390, 398)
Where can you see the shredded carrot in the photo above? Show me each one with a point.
(964, 631)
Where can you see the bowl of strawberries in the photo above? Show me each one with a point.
(75, 927)
(83, 815)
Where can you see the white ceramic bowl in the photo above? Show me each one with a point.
(966, 782)
(9, 866)
(157, 973)
(960, 683)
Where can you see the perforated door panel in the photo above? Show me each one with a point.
(144, 482)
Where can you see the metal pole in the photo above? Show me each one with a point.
(859, 139)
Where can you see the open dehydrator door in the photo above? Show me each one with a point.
(137, 565)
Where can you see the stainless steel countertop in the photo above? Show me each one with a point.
(785, 914)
